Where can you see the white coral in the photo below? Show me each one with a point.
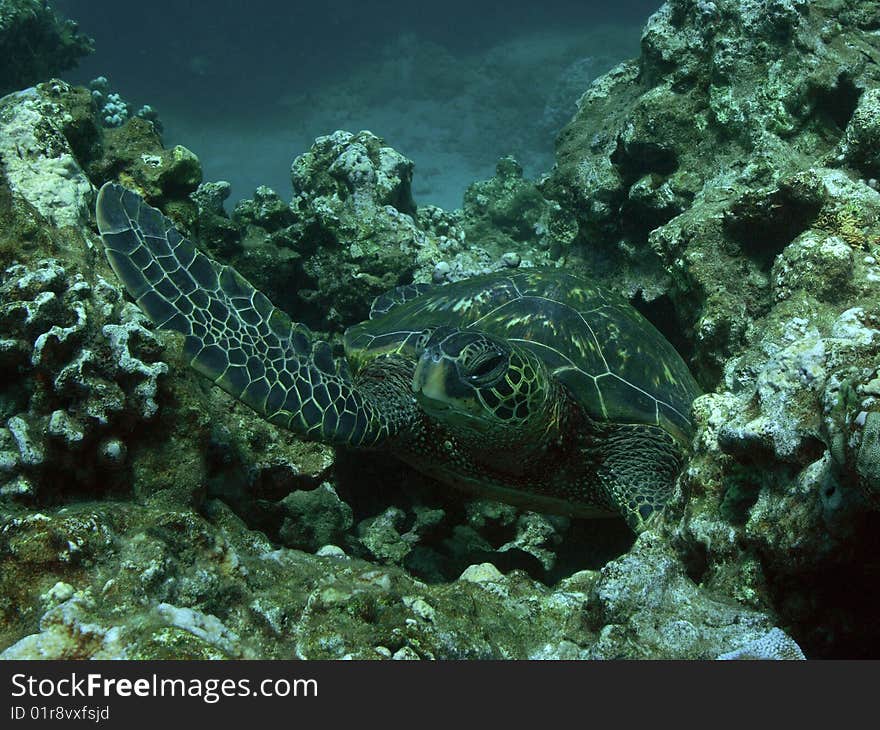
(120, 336)
(37, 160)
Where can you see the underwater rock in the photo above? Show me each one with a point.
(725, 177)
(381, 536)
(860, 146)
(160, 174)
(144, 581)
(56, 147)
(867, 454)
(353, 219)
(645, 606)
(725, 100)
(37, 161)
(210, 196)
(256, 467)
(133, 152)
(774, 645)
(265, 210)
(260, 239)
(820, 264)
(212, 223)
(41, 42)
(352, 193)
(778, 480)
(538, 535)
(509, 214)
(359, 166)
(83, 376)
(313, 519)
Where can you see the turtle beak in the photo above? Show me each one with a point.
(429, 376)
(439, 390)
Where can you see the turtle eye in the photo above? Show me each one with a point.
(488, 366)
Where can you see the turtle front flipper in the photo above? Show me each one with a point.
(234, 335)
(639, 466)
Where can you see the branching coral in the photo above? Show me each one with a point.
(82, 370)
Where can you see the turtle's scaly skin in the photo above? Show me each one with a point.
(534, 388)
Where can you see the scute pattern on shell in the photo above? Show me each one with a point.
(612, 360)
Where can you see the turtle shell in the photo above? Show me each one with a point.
(615, 364)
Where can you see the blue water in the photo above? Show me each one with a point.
(454, 86)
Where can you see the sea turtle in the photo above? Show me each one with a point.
(532, 387)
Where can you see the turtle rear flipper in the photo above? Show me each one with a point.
(234, 335)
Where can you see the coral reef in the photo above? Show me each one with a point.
(113, 110)
(757, 238)
(133, 152)
(509, 214)
(147, 515)
(353, 219)
(181, 585)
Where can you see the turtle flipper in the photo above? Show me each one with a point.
(639, 467)
(234, 335)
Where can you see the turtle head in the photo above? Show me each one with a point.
(474, 383)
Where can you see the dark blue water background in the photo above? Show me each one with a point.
(453, 85)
